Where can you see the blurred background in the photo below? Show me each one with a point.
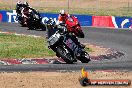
(91, 7)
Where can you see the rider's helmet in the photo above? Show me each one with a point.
(19, 2)
(62, 12)
(25, 4)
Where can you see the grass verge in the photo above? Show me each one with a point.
(122, 11)
(13, 46)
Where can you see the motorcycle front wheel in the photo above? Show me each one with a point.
(42, 26)
(79, 33)
(85, 58)
(22, 24)
(65, 55)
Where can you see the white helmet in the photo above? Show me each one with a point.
(26, 3)
(19, 2)
(62, 12)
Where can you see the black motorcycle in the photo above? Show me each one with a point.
(19, 18)
(65, 46)
(32, 19)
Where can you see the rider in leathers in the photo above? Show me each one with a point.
(61, 21)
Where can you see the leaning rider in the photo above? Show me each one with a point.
(26, 9)
(18, 7)
(62, 17)
(61, 21)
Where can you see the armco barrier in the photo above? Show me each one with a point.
(85, 20)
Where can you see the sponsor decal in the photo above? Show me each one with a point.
(85, 20)
(47, 16)
(85, 81)
(45, 19)
(122, 22)
(11, 16)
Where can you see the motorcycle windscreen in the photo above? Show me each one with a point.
(50, 31)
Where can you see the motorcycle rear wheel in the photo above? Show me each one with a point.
(30, 25)
(64, 55)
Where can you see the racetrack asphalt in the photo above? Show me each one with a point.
(117, 39)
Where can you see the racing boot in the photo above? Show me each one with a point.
(77, 41)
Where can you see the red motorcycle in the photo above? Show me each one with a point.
(73, 26)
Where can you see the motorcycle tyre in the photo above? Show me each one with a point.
(22, 24)
(61, 52)
(43, 27)
(31, 26)
(80, 33)
(84, 59)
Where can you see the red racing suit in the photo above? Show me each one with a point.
(62, 19)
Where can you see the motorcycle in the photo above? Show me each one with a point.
(19, 18)
(73, 26)
(65, 46)
(32, 19)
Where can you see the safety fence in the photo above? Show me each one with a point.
(85, 20)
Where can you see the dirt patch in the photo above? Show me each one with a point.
(57, 79)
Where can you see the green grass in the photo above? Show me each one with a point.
(124, 11)
(88, 49)
(13, 46)
(99, 12)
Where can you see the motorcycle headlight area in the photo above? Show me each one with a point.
(54, 38)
